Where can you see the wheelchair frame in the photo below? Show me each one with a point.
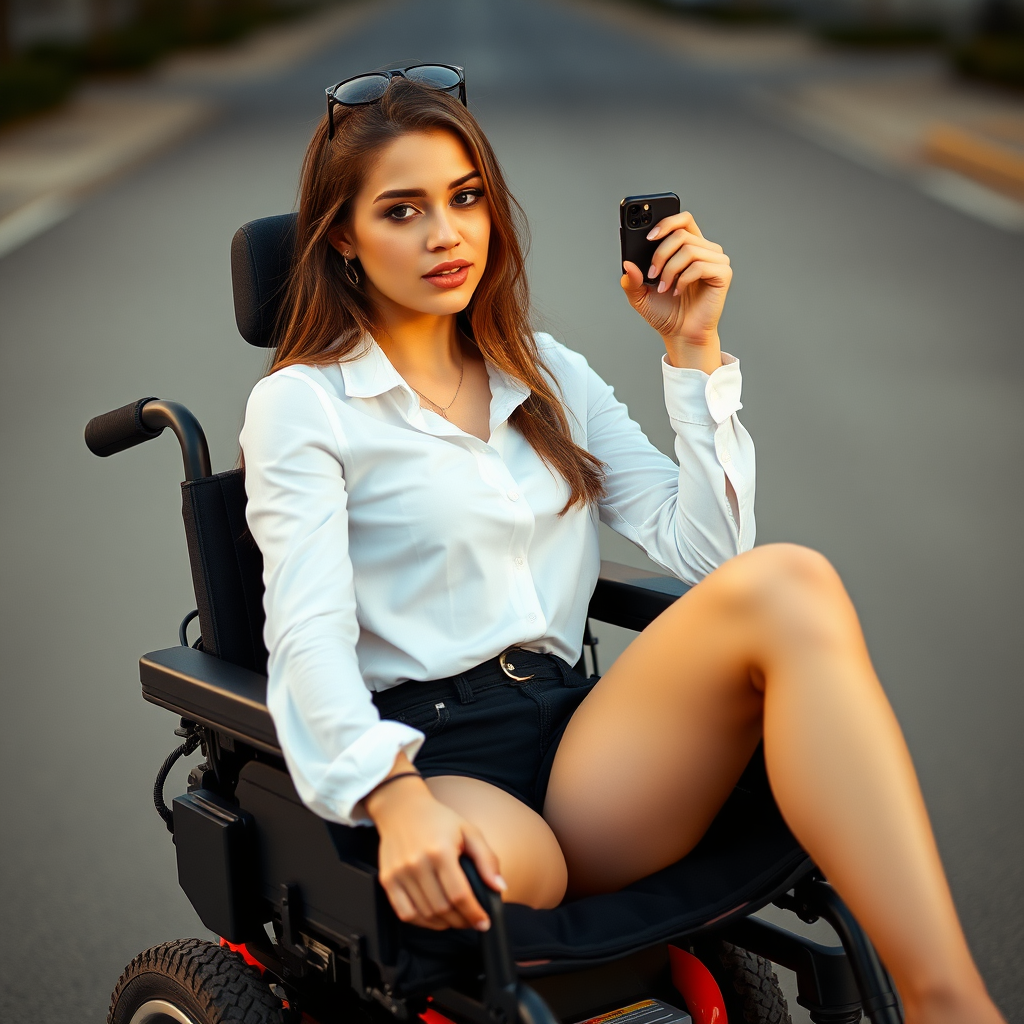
(250, 853)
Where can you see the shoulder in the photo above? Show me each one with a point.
(293, 402)
(290, 390)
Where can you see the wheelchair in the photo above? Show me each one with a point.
(306, 931)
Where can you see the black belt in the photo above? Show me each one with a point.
(514, 665)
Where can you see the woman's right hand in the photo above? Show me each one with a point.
(421, 841)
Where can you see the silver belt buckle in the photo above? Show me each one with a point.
(510, 670)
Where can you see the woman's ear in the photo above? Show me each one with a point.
(338, 237)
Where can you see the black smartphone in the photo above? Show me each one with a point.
(637, 215)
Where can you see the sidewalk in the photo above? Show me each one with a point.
(49, 165)
(961, 143)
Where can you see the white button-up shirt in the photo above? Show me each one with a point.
(396, 546)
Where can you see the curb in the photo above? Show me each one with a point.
(978, 156)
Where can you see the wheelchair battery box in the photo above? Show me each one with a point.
(215, 843)
(647, 1011)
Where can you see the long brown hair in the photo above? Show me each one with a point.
(324, 317)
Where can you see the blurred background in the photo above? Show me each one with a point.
(862, 161)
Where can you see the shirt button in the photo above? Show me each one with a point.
(513, 495)
(520, 563)
(532, 616)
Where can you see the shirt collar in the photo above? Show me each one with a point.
(370, 374)
(507, 394)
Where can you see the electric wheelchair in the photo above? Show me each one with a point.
(306, 931)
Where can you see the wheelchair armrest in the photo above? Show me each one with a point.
(233, 700)
(212, 692)
(633, 598)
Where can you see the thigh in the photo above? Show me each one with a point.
(654, 750)
(528, 854)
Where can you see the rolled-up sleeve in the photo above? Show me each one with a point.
(335, 744)
(691, 517)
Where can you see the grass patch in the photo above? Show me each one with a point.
(29, 85)
(739, 12)
(892, 36)
(725, 12)
(998, 59)
(46, 74)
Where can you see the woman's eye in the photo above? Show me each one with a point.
(402, 212)
(467, 197)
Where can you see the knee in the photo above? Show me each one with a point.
(541, 883)
(786, 585)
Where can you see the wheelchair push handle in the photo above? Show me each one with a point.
(142, 420)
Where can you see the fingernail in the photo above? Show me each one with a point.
(653, 271)
(662, 287)
(652, 234)
(483, 926)
(501, 883)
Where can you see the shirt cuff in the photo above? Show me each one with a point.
(693, 396)
(366, 762)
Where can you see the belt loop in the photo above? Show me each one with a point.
(464, 690)
(570, 677)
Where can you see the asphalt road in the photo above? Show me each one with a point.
(880, 338)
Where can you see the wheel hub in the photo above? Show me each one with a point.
(159, 1011)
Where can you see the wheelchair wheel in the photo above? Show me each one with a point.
(750, 987)
(190, 981)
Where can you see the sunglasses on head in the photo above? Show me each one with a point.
(370, 87)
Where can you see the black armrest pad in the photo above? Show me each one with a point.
(633, 598)
(212, 692)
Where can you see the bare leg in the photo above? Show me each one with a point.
(768, 644)
(527, 850)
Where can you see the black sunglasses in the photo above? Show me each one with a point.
(370, 87)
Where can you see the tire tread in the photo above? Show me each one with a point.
(224, 987)
(756, 985)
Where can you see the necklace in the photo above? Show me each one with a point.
(443, 409)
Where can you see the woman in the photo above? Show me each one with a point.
(425, 482)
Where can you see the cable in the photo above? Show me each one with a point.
(183, 628)
(190, 744)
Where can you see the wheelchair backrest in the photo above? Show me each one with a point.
(227, 567)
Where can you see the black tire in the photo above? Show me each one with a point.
(190, 981)
(750, 987)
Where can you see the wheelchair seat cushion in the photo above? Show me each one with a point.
(746, 859)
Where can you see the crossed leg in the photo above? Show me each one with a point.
(769, 646)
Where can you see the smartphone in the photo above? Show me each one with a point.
(637, 215)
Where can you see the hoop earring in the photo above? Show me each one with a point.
(350, 272)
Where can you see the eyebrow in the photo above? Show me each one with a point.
(420, 193)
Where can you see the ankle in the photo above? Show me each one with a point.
(944, 1002)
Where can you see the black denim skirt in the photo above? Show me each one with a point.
(486, 725)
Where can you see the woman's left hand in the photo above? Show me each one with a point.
(693, 280)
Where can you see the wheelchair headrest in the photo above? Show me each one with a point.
(261, 255)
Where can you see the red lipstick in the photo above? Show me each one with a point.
(450, 274)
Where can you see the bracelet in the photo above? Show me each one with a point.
(391, 778)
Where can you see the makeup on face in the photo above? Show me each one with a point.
(421, 224)
(452, 274)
